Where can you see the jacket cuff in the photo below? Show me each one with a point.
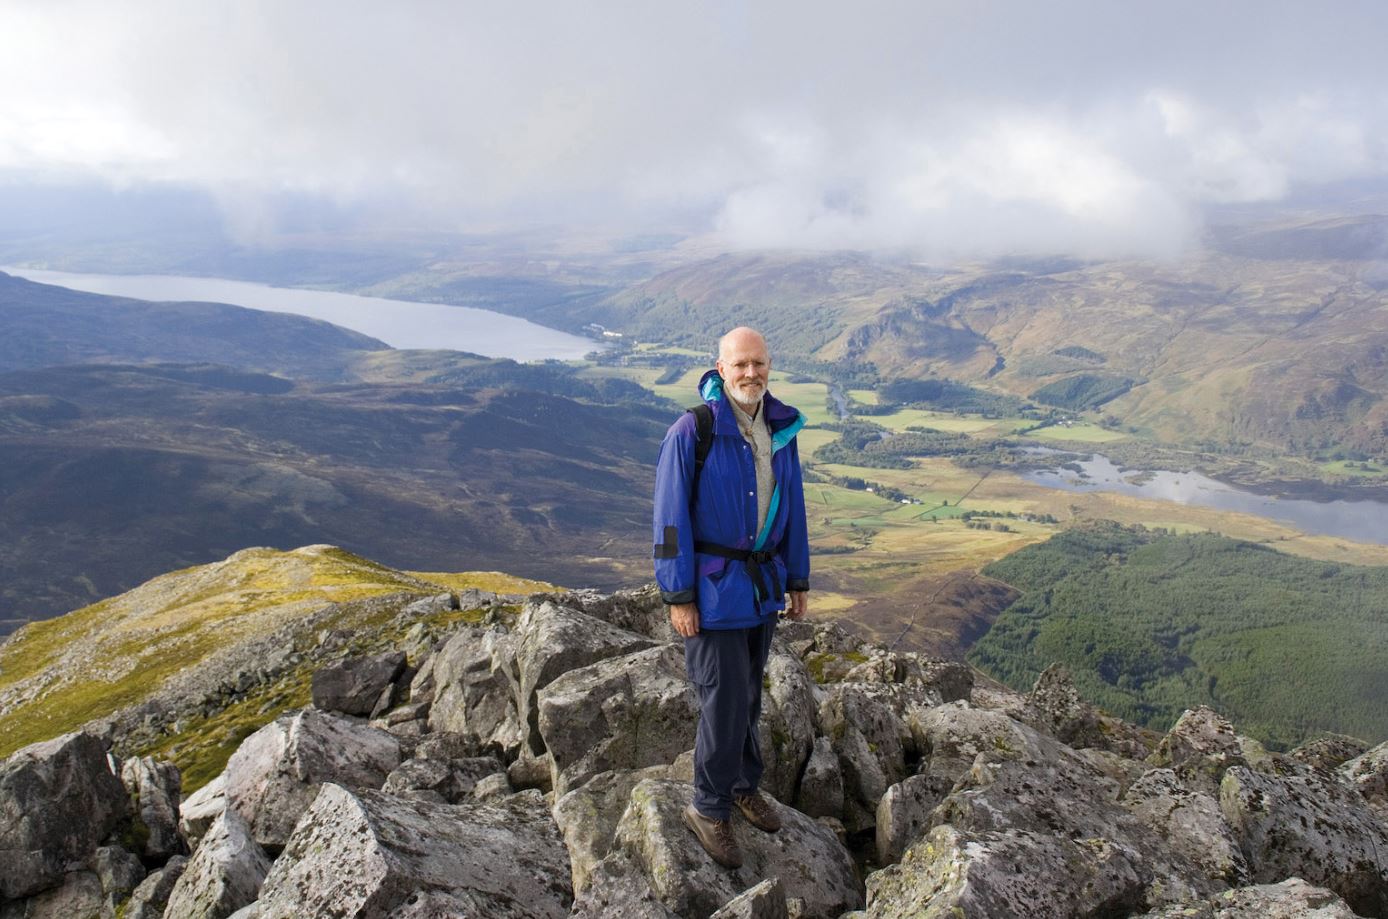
(673, 597)
(797, 584)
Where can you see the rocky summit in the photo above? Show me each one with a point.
(475, 755)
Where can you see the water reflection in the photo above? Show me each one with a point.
(398, 323)
(1364, 521)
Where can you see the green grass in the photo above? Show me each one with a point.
(1083, 432)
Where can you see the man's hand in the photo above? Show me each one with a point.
(685, 618)
(799, 604)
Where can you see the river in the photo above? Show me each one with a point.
(1362, 521)
(398, 323)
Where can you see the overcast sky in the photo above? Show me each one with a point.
(953, 128)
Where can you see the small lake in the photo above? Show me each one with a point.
(1362, 521)
(398, 323)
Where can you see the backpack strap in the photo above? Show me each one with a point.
(703, 441)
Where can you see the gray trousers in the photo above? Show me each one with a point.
(726, 667)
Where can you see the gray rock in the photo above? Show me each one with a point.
(247, 912)
(1120, 769)
(152, 894)
(1291, 899)
(491, 787)
(423, 685)
(1329, 752)
(223, 874)
(870, 741)
(787, 725)
(1202, 745)
(120, 872)
(58, 801)
(473, 691)
(809, 861)
(1369, 773)
(1012, 874)
(430, 606)
(368, 853)
(588, 815)
(953, 735)
(154, 788)
(79, 896)
(447, 746)
(415, 711)
(274, 776)
(821, 785)
(201, 809)
(530, 771)
(435, 904)
(622, 713)
(423, 775)
(618, 888)
(1312, 826)
(551, 641)
(767, 900)
(1190, 822)
(832, 638)
(903, 814)
(640, 611)
(354, 686)
(1065, 715)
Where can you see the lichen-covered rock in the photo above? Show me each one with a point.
(806, 857)
(903, 814)
(551, 640)
(120, 872)
(473, 691)
(154, 788)
(587, 817)
(201, 809)
(870, 741)
(428, 779)
(1312, 826)
(1329, 752)
(821, 785)
(354, 685)
(1201, 745)
(224, 873)
(625, 712)
(366, 854)
(1369, 773)
(1190, 822)
(274, 776)
(953, 735)
(1012, 874)
(1065, 715)
(787, 725)
(618, 888)
(79, 896)
(58, 801)
(1291, 899)
(152, 894)
(767, 900)
(640, 611)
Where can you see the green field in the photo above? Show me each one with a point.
(1083, 432)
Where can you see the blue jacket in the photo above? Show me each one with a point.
(725, 513)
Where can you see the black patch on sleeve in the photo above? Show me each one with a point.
(670, 548)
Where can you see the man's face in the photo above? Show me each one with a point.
(745, 366)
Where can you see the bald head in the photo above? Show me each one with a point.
(744, 363)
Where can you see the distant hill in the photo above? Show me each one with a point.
(43, 325)
(110, 474)
(1150, 624)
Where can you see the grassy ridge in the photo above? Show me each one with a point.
(1151, 623)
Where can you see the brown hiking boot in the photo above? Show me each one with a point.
(716, 836)
(759, 811)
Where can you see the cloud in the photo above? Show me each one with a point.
(943, 127)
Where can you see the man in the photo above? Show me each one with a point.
(731, 549)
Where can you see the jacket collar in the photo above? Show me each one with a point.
(778, 414)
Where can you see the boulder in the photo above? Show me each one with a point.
(903, 814)
(767, 900)
(870, 741)
(58, 802)
(1201, 745)
(618, 888)
(625, 712)
(1291, 899)
(149, 899)
(1369, 773)
(640, 611)
(551, 641)
(78, 896)
(1009, 874)
(154, 788)
(1329, 752)
(588, 815)
(821, 785)
(1063, 713)
(786, 729)
(223, 874)
(809, 861)
(1309, 825)
(431, 606)
(429, 780)
(353, 686)
(473, 691)
(120, 872)
(1190, 822)
(491, 787)
(368, 853)
(274, 776)
(952, 736)
(201, 809)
